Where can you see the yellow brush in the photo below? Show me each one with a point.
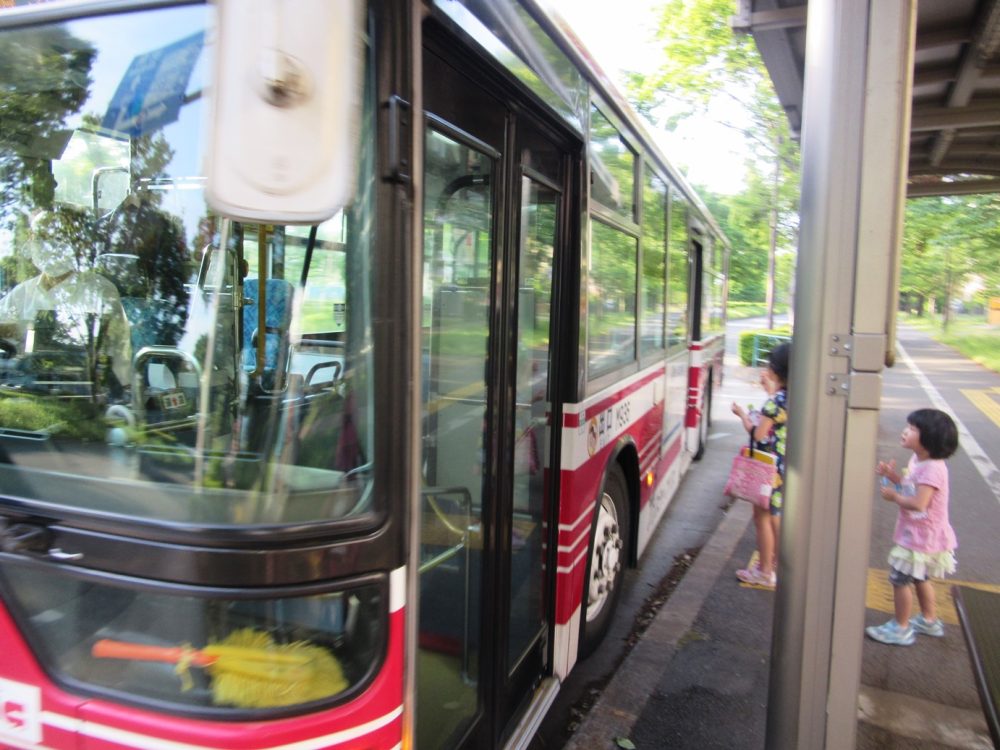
(248, 669)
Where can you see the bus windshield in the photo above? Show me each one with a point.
(159, 362)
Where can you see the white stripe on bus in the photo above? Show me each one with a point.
(581, 406)
(583, 537)
(584, 514)
(147, 742)
(397, 589)
(575, 449)
(573, 566)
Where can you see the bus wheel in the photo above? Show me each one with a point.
(706, 420)
(606, 567)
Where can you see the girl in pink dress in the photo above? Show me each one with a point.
(924, 539)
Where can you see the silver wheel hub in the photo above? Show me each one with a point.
(606, 560)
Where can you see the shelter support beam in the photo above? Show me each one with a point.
(965, 187)
(859, 62)
(747, 21)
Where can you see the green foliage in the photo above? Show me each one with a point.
(760, 343)
(72, 419)
(702, 55)
(704, 61)
(34, 113)
(745, 221)
(982, 347)
(949, 242)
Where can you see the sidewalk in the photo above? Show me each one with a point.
(698, 678)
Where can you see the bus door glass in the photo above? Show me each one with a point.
(458, 255)
(494, 204)
(678, 316)
(540, 214)
(539, 222)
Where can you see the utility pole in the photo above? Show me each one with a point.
(774, 235)
(946, 313)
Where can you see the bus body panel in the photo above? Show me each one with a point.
(37, 711)
(630, 412)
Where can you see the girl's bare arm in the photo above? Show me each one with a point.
(763, 429)
(919, 501)
(887, 469)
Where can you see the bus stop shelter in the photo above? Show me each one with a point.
(891, 99)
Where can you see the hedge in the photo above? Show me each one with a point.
(766, 341)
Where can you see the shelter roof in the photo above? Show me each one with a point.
(955, 120)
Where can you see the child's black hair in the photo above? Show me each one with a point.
(938, 433)
(777, 360)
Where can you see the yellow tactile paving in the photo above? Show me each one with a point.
(987, 400)
(442, 402)
(879, 594)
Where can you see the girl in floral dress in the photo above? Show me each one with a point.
(769, 428)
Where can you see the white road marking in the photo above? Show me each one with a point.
(986, 468)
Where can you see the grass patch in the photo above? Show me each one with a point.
(74, 418)
(741, 310)
(971, 335)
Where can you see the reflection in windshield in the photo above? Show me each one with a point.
(155, 360)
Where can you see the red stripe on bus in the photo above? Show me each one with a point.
(382, 697)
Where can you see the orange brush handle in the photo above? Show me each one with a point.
(108, 649)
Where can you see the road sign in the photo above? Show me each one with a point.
(152, 90)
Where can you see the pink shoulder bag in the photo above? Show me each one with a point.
(751, 476)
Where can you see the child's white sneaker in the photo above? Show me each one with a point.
(891, 633)
(755, 577)
(922, 626)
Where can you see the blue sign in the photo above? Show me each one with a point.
(151, 92)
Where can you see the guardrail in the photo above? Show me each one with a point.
(763, 343)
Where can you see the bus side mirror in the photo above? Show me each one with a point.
(285, 109)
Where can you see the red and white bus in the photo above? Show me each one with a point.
(351, 351)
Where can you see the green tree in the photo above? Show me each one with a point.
(947, 242)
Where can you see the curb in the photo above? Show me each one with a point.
(623, 699)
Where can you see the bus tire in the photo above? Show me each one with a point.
(706, 420)
(607, 558)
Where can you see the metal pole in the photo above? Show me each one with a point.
(855, 125)
(774, 236)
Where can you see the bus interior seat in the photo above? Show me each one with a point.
(277, 319)
(327, 433)
(147, 315)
